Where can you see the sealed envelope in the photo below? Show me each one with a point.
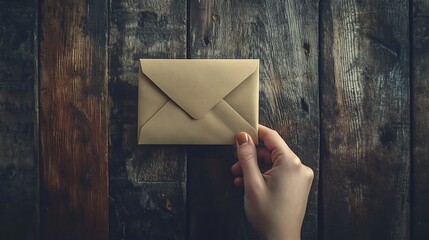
(197, 101)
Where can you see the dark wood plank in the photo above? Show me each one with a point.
(18, 120)
(420, 118)
(73, 120)
(365, 119)
(215, 204)
(147, 183)
(284, 35)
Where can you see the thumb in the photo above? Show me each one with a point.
(247, 157)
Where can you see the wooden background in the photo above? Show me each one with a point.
(343, 82)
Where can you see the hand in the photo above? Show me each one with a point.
(275, 199)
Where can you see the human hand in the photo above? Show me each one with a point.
(275, 199)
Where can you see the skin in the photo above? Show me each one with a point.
(275, 198)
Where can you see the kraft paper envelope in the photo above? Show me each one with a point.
(192, 101)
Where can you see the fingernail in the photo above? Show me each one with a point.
(242, 138)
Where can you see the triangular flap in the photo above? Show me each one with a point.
(197, 85)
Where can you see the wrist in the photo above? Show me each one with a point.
(281, 235)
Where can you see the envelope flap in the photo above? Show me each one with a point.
(197, 85)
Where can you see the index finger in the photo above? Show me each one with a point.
(270, 138)
(275, 143)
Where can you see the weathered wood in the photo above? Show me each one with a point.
(215, 204)
(147, 210)
(18, 120)
(147, 183)
(284, 36)
(365, 119)
(420, 98)
(73, 120)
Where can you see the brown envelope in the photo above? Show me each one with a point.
(193, 101)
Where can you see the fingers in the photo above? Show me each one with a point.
(236, 169)
(264, 162)
(274, 153)
(238, 181)
(280, 151)
(264, 155)
(270, 138)
(247, 158)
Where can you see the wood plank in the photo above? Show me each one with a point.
(73, 120)
(365, 119)
(147, 183)
(284, 35)
(215, 204)
(18, 120)
(420, 118)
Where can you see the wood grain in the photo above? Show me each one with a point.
(284, 36)
(18, 120)
(420, 118)
(73, 120)
(365, 135)
(215, 204)
(147, 183)
(365, 119)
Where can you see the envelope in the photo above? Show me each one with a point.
(197, 101)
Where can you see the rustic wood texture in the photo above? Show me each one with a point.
(284, 35)
(215, 206)
(147, 183)
(73, 120)
(365, 119)
(420, 118)
(362, 123)
(18, 121)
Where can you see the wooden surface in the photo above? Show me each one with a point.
(147, 183)
(73, 120)
(344, 83)
(18, 120)
(365, 130)
(284, 35)
(420, 116)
